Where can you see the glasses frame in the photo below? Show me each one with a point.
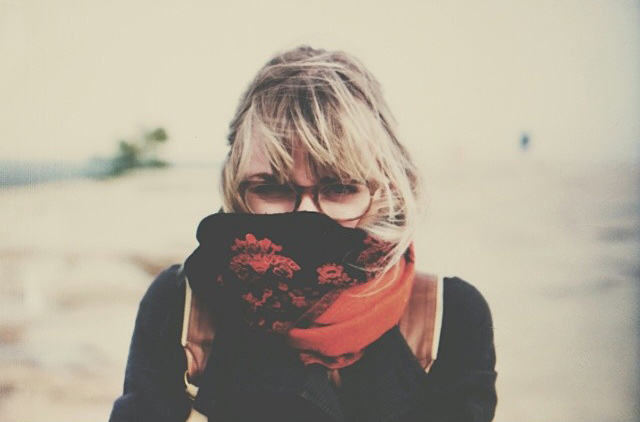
(300, 190)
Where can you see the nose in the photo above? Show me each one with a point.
(306, 203)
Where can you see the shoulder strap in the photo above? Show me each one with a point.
(198, 331)
(422, 320)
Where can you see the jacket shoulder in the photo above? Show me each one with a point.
(163, 294)
(464, 303)
(466, 340)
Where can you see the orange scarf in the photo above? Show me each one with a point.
(354, 319)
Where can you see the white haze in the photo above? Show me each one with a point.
(464, 79)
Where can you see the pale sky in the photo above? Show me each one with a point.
(463, 78)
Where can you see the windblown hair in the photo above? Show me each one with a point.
(330, 106)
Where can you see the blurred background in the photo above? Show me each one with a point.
(524, 117)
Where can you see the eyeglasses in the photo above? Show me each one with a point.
(338, 200)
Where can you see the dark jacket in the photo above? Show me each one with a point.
(386, 385)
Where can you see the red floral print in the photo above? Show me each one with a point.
(280, 327)
(375, 255)
(284, 266)
(298, 301)
(332, 274)
(250, 298)
(283, 286)
(259, 256)
(254, 302)
(264, 275)
(253, 246)
(274, 298)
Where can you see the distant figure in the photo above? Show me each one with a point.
(524, 141)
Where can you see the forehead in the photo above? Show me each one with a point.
(300, 173)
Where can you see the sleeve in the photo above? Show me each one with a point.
(154, 384)
(462, 380)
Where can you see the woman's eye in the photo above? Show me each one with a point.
(342, 189)
(271, 189)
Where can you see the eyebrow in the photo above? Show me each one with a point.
(264, 176)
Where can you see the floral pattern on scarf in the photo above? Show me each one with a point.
(272, 302)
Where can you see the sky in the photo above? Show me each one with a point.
(464, 79)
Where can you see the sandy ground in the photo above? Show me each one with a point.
(554, 248)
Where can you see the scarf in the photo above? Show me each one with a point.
(302, 278)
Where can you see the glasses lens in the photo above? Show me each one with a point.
(344, 201)
(270, 198)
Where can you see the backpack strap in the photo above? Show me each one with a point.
(420, 325)
(422, 320)
(198, 331)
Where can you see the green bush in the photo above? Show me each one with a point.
(138, 153)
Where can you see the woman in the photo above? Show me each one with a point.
(302, 301)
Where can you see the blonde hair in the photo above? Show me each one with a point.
(331, 106)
